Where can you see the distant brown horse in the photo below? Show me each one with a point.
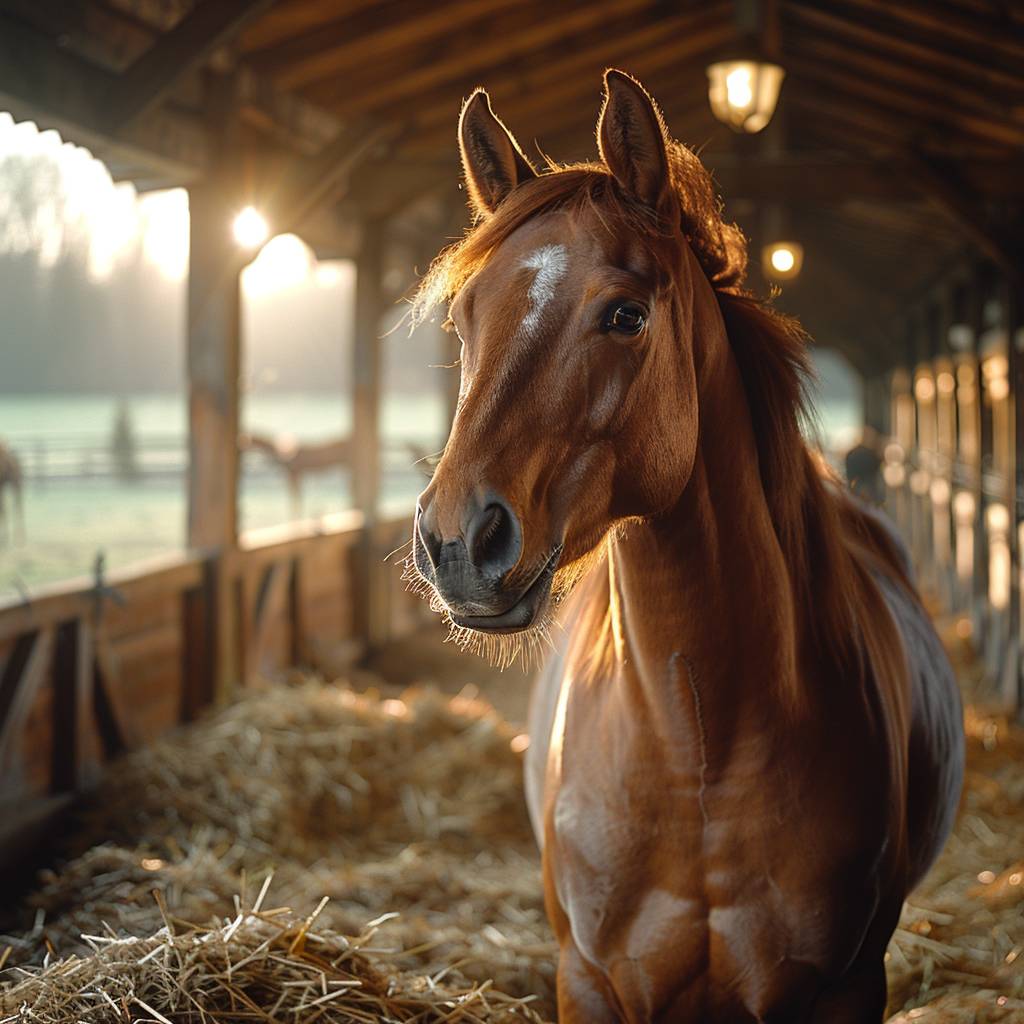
(12, 482)
(298, 460)
(746, 747)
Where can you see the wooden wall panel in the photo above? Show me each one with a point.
(101, 678)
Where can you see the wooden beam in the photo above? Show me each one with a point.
(916, 105)
(366, 372)
(844, 25)
(987, 36)
(40, 82)
(318, 181)
(367, 377)
(369, 36)
(959, 97)
(174, 55)
(68, 716)
(295, 18)
(543, 98)
(942, 186)
(22, 677)
(214, 363)
(475, 58)
(809, 177)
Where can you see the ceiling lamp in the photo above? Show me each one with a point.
(782, 260)
(250, 228)
(743, 93)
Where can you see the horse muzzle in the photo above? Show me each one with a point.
(472, 573)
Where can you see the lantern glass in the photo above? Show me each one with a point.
(782, 261)
(743, 93)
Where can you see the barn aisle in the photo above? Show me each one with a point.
(407, 813)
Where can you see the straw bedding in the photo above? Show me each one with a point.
(407, 816)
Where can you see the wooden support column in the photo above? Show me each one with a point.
(370, 598)
(976, 317)
(1013, 313)
(214, 353)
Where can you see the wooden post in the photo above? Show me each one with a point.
(367, 350)
(980, 617)
(1013, 315)
(214, 346)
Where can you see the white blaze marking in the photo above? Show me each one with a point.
(551, 263)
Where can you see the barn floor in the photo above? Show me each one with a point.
(407, 806)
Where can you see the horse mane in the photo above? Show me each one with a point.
(771, 351)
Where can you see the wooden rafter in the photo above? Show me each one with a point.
(991, 36)
(319, 181)
(597, 37)
(287, 20)
(358, 41)
(955, 96)
(943, 187)
(39, 82)
(929, 110)
(669, 57)
(186, 47)
(463, 58)
(944, 61)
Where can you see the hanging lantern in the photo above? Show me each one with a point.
(782, 260)
(743, 93)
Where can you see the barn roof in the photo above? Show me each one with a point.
(897, 143)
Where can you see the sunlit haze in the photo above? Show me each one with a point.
(56, 197)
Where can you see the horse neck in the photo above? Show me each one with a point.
(706, 585)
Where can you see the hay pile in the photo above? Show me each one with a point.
(409, 809)
(412, 808)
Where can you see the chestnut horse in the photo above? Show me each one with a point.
(747, 746)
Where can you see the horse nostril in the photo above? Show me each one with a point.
(494, 539)
(430, 540)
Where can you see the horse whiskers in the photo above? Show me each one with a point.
(391, 554)
(502, 650)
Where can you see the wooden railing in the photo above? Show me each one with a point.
(92, 668)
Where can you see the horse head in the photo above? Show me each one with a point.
(573, 299)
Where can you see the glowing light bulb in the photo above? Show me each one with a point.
(739, 87)
(783, 260)
(250, 228)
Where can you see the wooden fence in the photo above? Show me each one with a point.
(87, 672)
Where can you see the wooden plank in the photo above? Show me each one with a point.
(369, 36)
(367, 372)
(52, 604)
(71, 707)
(266, 600)
(949, 60)
(885, 100)
(422, 86)
(989, 36)
(294, 18)
(367, 377)
(541, 100)
(18, 687)
(41, 83)
(943, 188)
(198, 651)
(214, 354)
(956, 94)
(317, 181)
(297, 651)
(174, 55)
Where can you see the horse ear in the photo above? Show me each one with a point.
(491, 158)
(632, 140)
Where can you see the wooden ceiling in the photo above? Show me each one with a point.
(897, 147)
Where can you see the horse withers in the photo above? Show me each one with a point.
(746, 747)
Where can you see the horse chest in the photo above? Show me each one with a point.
(667, 872)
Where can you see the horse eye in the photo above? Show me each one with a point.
(626, 318)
